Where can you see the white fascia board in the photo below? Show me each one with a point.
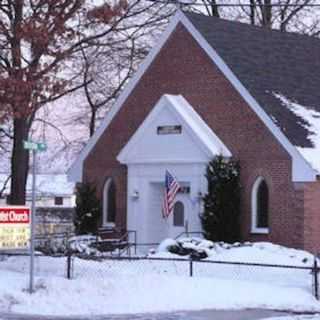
(139, 133)
(199, 127)
(75, 173)
(301, 169)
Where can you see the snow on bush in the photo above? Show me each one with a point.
(83, 244)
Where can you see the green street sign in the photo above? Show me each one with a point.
(38, 146)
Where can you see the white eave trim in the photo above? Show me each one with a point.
(301, 169)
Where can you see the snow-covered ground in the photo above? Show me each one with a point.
(297, 317)
(113, 287)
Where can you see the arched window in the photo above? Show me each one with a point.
(109, 203)
(178, 214)
(260, 206)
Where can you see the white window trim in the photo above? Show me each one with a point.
(105, 222)
(254, 228)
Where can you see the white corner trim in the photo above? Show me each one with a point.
(75, 173)
(301, 169)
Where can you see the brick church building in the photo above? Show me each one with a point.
(209, 87)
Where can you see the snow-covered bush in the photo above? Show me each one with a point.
(249, 252)
(83, 244)
(194, 247)
(51, 245)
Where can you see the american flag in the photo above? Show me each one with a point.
(171, 188)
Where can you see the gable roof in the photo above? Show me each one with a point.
(190, 120)
(269, 62)
(46, 185)
(301, 169)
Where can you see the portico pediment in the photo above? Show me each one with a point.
(173, 132)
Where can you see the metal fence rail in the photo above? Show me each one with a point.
(77, 266)
(306, 277)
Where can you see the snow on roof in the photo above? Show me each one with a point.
(46, 184)
(311, 122)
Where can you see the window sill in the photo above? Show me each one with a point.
(259, 231)
(108, 225)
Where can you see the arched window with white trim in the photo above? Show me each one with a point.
(109, 203)
(260, 206)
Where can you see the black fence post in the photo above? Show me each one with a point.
(69, 256)
(191, 267)
(315, 271)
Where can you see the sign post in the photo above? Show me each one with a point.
(34, 146)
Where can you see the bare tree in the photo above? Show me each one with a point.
(108, 67)
(284, 15)
(38, 38)
(4, 185)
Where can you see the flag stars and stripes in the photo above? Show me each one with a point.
(171, 188)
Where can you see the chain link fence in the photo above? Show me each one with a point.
(19, 262)
(304, 277)
(76, 266)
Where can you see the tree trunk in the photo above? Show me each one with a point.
(92, 125)
(214, 9)
(19, 163)
(267, 14)
(252, 12)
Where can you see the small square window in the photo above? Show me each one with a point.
(58, 201)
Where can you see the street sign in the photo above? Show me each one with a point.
(14, 227)
(37, 146)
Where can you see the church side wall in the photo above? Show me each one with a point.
(311, 217)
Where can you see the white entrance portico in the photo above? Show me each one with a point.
(173, 137)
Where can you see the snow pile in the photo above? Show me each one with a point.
(296, 317)
(312, 118)
(259, 252)
(123, 294)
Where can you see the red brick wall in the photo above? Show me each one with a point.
(182, 67)
(311, 217)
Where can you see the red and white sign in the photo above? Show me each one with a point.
(14, 227)
(15, 215)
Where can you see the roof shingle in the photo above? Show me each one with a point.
(268, 62)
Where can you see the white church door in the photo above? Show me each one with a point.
(180, 217)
